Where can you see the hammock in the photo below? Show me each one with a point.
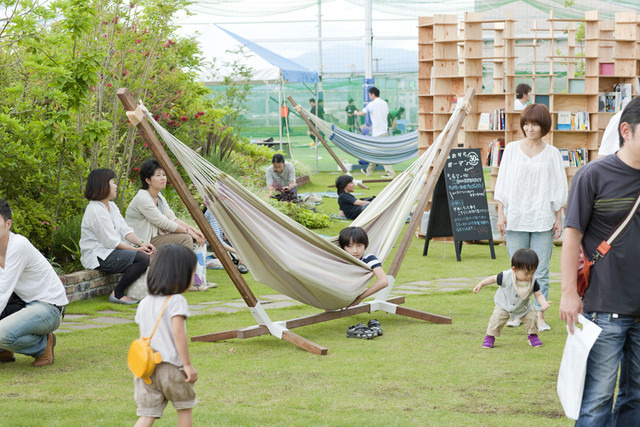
(283, 254)
(383, 150)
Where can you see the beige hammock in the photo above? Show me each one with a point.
(286, 256)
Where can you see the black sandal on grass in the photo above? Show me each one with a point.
(360, 331)
(374, 325)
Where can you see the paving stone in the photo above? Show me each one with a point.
(109, 312)
(448, 284)
(418, 283)
(62, 331)
(411, 288)
(222, 310)
(408, 292)
(112, 320)
(448, 289)
(196, 307)
(236, 304)
(211, 302)
(88, 326)
(74, 316)
(277, 297)
(456, 279)
(280, 304)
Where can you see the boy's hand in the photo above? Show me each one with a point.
(546, 305)
(191, 373)
(477, 288)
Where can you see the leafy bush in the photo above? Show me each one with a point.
(305, 217)
(65, 244)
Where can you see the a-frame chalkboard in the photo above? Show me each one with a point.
(459, 206)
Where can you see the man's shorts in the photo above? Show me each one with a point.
(167, 384)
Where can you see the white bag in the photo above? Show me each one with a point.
(573, 367)
(138, 289)
(201, 267)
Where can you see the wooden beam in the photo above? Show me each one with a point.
(192, 206)
(315, 131)
(432, 180)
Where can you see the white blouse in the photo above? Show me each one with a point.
(102, 230)
(532, 190)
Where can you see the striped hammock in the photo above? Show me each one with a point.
(284, 255)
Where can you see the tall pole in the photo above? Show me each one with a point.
(319, 84)
(368, 48)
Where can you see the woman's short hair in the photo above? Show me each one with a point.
(522, 90)
(5, 210)
(536, 113)
(524, 259)
(98, 187)
(147, 169)
(353, 234)
(171, 270)
(277, 158)
(342, 182)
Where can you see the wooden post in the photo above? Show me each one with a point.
(315, 131)
(192, 206)
(432, 180)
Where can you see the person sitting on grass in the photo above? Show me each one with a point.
(170, 275)
(513, 297)
(32, 297)
(354, 241)
(281, 177)
(350, 207)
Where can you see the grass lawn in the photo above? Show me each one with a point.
(417, 373)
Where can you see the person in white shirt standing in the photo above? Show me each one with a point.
(378, 111)
(531, 190)
(26, 273)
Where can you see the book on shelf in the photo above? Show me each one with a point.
(484, 121)
(494, 152)
(574, 158)
(542, 99)
(564, 120)
(625, 90)
(610, 102)
(492, 121)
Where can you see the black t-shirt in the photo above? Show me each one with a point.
(602, 193)
(345, 201)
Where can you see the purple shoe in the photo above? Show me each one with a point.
(534, 341)
(488, 341)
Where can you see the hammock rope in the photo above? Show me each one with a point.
(384, 150)
(283, 254)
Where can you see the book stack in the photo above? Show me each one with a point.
(495, 151)
(573, 121)
(574, 158)
(492, 121)
(612, 102)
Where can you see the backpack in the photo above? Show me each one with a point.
(142, 359)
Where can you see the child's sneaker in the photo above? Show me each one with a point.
(488, 341)
(534, 341)
(374, 325)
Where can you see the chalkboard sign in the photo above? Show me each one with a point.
(459, 206)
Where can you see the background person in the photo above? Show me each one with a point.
(602, 194)
(107, 243)
(351, 119)
(378, 110)
(523, 95)
(530, 190)
(350, 207)
(281, 177)
(32, 297)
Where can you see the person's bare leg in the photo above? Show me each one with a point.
(184, 418)
(145, 421)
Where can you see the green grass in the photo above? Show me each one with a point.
(417, 373)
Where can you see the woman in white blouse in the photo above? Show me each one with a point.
(107, 243)
(531, 190)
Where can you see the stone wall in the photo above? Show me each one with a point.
(87, 284)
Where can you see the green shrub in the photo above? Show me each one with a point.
(65, 244)
(305, 217)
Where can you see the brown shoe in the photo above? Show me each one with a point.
(47, 357)
(6, 356)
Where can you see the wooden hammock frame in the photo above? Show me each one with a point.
(282, 329)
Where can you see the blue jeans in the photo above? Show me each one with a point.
(617, 345)
(541, 243)
(25, 331)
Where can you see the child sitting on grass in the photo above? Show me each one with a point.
(170, 274)
(513, 297)
(354, 240)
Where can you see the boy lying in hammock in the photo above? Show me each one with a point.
(354, 240)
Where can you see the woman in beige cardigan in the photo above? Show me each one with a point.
(150, 216)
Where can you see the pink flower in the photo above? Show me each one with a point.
(139, 41)
(201, 113)
(109, 85)
(183, 119)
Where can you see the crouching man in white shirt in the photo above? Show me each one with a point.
(27, 273)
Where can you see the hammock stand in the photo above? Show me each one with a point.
(281, 329)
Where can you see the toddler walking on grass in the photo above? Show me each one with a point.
(513, 297)
(170, 274)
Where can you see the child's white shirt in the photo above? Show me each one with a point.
(147, 315)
